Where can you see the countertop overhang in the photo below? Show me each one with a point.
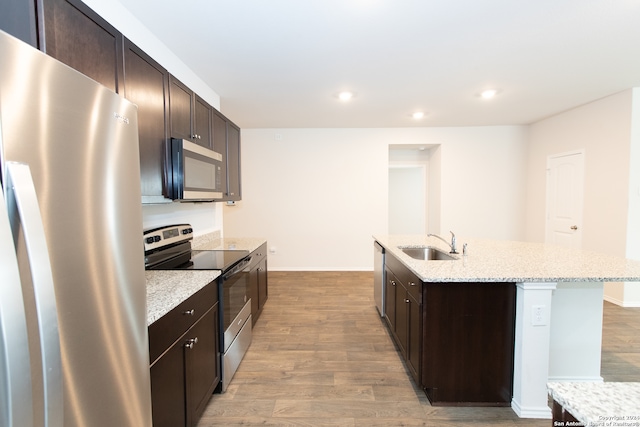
(511, 261)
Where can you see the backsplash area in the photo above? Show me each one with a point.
(205, 218)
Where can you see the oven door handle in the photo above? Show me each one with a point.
(238, 268)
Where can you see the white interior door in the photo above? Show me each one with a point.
(407, 200)
(565, 189)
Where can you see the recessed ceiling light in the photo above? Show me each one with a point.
(345, 96)
(418, 115)
(489, 93)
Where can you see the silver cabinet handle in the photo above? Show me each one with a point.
(190, 312)
(574, 227)
(190, 343)
(412, 284)
(24, 213)
(14, 333)
(407, 301)
(393, 283)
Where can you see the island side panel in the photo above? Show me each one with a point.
(531, 364)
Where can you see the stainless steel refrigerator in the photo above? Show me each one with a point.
(73, 331)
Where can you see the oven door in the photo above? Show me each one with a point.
(236, 305)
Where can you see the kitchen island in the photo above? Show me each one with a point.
(558, 307)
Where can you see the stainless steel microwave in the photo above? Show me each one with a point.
(196, 172)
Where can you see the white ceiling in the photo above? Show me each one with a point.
(281, 63)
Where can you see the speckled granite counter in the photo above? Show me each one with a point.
(507, 261)
(599, 404)
(168, 288)
(213, 242)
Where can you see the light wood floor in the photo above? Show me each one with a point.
(321, 356)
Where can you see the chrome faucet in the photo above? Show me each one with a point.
(452, 245)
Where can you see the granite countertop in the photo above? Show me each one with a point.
(509, 261)
(212, 242)
(166, 289)
(599, 404)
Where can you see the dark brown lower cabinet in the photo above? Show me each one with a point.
(456, 339)
(258, 281)
(468, 343)
(403, 312)
(185, 375)
(202, 371)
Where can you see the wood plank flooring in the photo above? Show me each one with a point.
(321, 356)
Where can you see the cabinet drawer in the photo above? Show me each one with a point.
(414, 287)
(164, 331)
(405, 276)
(258, 255)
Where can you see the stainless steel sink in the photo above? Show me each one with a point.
(427, 253)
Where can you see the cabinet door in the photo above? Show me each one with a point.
(390, 299)
(202, 125)
(233, 163)
(254, 294)
(263, 288)
(181, 109)
(414, 337)
(167, 388)
(402, 313)
(147, 86)
(201, 364)
(219, 135)
(79, 37)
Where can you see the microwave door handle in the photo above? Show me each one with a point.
(15, 369)
(24, 212)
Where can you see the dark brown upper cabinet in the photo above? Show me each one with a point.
(76, 35)
(226, 141)
(190, 114)
(181, 110)
(147, 86)
(202, 122)
(233, 192)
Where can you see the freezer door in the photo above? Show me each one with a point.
(15, 375)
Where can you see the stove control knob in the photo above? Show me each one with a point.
(149, 240)
(156, 238)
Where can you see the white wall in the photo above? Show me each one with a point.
(603, 129)
(318, 195)
(204, 217)
(632, 290)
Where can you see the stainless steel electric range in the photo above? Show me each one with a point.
(169, 248)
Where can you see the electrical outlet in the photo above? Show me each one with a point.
(538, 315)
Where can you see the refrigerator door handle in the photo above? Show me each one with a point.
(15, 369)
(24, 213)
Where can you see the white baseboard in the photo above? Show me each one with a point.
(539, 412)
(622, 303)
